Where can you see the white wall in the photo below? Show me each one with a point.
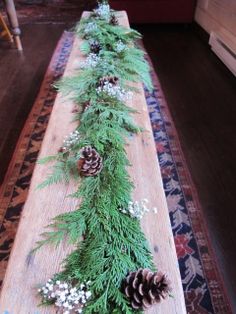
(218, 16)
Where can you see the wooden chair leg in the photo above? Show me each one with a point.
(11, 13)
(5, 32)
(18, 42)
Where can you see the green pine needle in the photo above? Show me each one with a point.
(109, 243)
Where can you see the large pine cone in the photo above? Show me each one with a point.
(144, 288)
(95, 47)
(85, 106)
(90, 162)
(108, 79)
(114, 20)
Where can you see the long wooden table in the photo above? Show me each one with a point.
(26, 271)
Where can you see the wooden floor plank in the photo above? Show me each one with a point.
(23, 74)
(201, 95)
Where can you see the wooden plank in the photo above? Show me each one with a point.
(25, 272)
(218, 16)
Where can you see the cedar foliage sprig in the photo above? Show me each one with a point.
(128, 64)
(109, 243)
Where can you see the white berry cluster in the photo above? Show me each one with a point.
(120, 46)
(114, 91)
(138, 209)
(91, 61)
(103, 11)
(90, 27)
(70, 141)
(66, 298)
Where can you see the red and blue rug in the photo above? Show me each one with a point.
(202, 284)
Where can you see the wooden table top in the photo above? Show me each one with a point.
(26, 271)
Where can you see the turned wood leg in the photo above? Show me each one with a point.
(5, 32)
(11, 13)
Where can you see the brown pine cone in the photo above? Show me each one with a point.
(95, 47)
(108, 79)
(114, 20)
(144, 288)
(90, 162)
(85, 106)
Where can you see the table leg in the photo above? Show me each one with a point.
(11, 12)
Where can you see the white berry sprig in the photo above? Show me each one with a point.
(120, 46)
(65, 297)
(91, 61)
(138, 209)
(103, 11)
(114, 91)
(70, 141)
(90, 27)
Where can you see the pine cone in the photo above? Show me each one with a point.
(95, 47)
(114, 20)
(85, 106)
(90, 162)
(108, 79)
(144, 288)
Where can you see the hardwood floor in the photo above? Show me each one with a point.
(201, 93)
(20, 80)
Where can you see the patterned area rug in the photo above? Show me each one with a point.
(203, 287)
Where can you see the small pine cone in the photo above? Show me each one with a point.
(85, 106)
(90, 162)
(144, 288)
(108, 79)
(61, 150)
(95, 47)
(114, 20)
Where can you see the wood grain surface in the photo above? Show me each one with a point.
(26, 271)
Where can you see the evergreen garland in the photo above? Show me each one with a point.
(109, 241)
